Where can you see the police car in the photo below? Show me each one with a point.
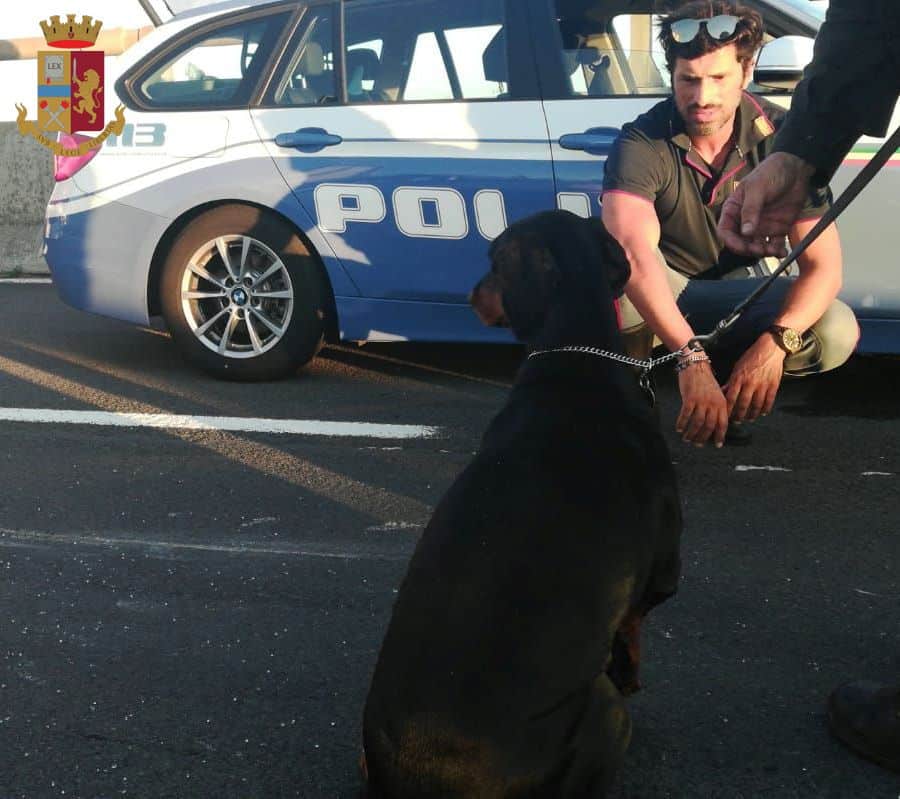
(298, 172)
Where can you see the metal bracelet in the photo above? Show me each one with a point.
(685, 361)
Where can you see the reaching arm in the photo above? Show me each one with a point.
(633, 222)
(849, 89)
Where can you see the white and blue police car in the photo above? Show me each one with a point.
(294, 172)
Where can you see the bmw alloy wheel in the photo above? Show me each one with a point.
(242, 294)
(237, 296)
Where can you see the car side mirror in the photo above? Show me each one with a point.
(781, 62)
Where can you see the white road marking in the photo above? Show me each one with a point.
(261, 520)
(297, 427)
(741, 468)
(877, 474)
(31, 280)
(24, 538)
(391, 526)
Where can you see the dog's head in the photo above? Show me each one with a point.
(552, 263)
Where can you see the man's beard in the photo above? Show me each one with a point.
(702, 128)
(695, 128)
(705, 128)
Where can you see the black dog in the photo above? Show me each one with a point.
(515, 632)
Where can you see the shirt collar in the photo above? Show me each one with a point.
(752, 121)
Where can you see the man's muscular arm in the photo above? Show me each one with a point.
(633, 222)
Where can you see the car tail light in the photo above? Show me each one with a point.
(67, 165)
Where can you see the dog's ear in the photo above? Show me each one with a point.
(614, 259)
(527, 276)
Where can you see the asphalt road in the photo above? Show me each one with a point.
(189, 613)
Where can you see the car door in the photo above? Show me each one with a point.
(412, 132)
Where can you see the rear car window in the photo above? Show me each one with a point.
(213, 69)
(607, 56)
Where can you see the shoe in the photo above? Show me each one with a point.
(866, 717)
(737, 435)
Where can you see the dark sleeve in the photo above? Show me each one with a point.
(634, 166)
(820, 198)
(850, 86)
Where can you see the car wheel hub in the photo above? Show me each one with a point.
(237, 296)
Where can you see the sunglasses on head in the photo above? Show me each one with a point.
(720, 28)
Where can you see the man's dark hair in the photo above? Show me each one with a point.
(748, 38)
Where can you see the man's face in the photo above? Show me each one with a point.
(708, 90)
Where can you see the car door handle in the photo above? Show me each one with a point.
(595, 141)
(308, 140)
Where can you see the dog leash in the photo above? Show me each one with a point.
(856, 186)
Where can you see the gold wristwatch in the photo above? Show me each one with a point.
(787, 338)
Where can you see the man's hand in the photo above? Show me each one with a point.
(755, 379)
(757, 217)
(704, 411)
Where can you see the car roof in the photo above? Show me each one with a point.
(218, 7)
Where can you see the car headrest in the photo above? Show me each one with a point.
(579, 57)
(494, 59)
(312, 62)
(362, 61)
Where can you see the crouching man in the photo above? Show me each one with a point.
(666, 180)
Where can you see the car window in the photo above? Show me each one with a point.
(429, 50)
(310, 78)
(467, 46)
(639, 54)
(610, 55)
(428, 78)
(213, 69)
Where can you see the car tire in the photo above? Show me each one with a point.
(260, 315)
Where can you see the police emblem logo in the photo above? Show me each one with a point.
(70, 89)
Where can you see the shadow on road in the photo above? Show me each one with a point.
(864, 388)
(491, 363)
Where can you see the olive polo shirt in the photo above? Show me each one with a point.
(653, 159)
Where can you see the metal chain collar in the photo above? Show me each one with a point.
(644, 366)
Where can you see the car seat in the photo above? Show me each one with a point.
(362, 64)
(495, 62)
(311, 71)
